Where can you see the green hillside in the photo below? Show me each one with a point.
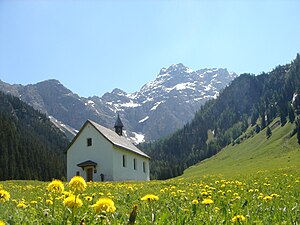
(255, 154)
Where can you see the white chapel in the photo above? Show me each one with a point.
(101, 154)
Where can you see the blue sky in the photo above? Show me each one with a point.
(92, 47)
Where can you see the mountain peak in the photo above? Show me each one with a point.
(51, 81)
(175, 69)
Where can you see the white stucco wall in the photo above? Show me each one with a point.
(128, 172)
(100, 152)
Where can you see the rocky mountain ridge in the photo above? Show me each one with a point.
(159, 108)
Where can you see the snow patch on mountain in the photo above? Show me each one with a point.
(156, 105)
(144, 119)
(183, 86)
(130, 104)
(138, 138)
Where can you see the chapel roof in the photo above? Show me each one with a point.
(117, 140)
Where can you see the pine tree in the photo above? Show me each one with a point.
(298, 130)
(268, 132)
(291, 114)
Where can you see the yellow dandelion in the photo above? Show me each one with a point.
(149, 198)
(88, 198)
(49, 202)
(77, 183)
(66, 194)
(56, 186)
(267, 198)
(173, 193)
(274, 195)
(238, 218)
(21, 205)
(207, 201)
(4, 196)
(204, 193)
(73, 202)
(104, 204)
(2, 222)
(195, 202)
(33, 202)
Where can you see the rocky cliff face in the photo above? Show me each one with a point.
(159, 108)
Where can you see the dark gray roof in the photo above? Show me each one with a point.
(117, 140)
(87, 163)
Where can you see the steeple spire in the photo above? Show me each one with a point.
(119, 126)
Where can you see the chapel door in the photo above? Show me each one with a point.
(89, 174)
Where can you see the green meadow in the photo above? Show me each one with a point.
(255, 182)
(257, 153)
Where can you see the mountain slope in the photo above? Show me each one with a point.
(254, 154)
(158, 109)
(31, 147)
(248, 101)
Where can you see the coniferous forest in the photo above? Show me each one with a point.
(249, 101)
(31, 147)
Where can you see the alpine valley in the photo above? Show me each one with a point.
(158, 109)
(247, 124)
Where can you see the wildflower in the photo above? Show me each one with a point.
(73, 202)
(33, 202)
(207, 201)
(56, 186)
(204, 193)
(4, 196)
(66, 194)
(150, 198)
(2, 222)
(77, 183)
(238, 218)
(88, 198)
(49, 202)
(267, 198)
(195, 202)
(274, 195)
(104, 204)
(21, 205)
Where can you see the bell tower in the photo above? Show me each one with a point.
(119, 126)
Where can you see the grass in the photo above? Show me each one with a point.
(252, 155)
(255, 182)
(264, 198)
